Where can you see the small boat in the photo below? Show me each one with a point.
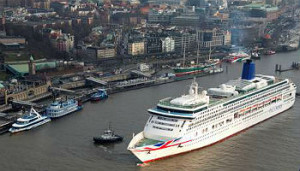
(108, 137)
(270, 52)
(27, 122)
(99, 95)
(255, 55)
(61, 108)
(237, 57)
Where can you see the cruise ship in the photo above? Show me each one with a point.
(199, 119)
(61, 108)
(29, 121)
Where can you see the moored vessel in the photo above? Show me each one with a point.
(99, 95)
(61, 108)
(200, 119)
(196, 68)
(29, 121)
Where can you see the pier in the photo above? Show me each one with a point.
(61, 89)
(92, 79)
(294, 66)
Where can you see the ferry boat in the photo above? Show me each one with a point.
(99, 95)
(197, 120)
(27, 122)
(61, 108)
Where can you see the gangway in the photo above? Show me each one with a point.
(61, 89)
(96, 80)
(141, 73)
(25, 103)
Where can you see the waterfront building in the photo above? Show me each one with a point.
(160, 2)
(263, 11)
(162, 17)
(240, 33)
(168, 44)
(12, 39)
(62, 42)
(2, 5)
(213, 38)
(89, 53)
(153, 44)
(188, 39)
(106, 52)
(13, 3)
(22, 68)
(190, 19)
(45, 4)
(273, 2)
(136, 47)
(8, 43)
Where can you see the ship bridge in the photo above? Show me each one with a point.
(185, 106)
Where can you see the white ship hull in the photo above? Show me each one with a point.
(197, 139)
(63, 112)
(15, 130)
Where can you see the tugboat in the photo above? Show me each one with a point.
(100, 95)
(108, 137)
(255, 55)
(27, 122)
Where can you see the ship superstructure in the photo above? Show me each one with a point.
(199, 119)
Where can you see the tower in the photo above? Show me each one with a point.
(31, 66)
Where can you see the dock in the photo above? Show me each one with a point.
(294, 66)
(6, 122)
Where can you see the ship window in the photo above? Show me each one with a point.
(167, 119)
(151, 118)
(165, 129)
(173, 110)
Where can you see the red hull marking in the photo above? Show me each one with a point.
(148, 161)
(163, 147)
(187, 73)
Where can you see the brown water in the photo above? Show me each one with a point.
(66, 143)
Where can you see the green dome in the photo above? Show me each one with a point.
(31, 58)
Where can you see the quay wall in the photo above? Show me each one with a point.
(28, 94)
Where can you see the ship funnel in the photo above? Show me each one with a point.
(248, 70)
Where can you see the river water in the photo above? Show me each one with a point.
(66, 143)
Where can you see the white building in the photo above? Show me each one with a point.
(168, 44)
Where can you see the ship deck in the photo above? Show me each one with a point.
(167, 102)
(147, 141)
(214, 100)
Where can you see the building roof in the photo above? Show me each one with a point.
(264, 7)
(22, 69)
